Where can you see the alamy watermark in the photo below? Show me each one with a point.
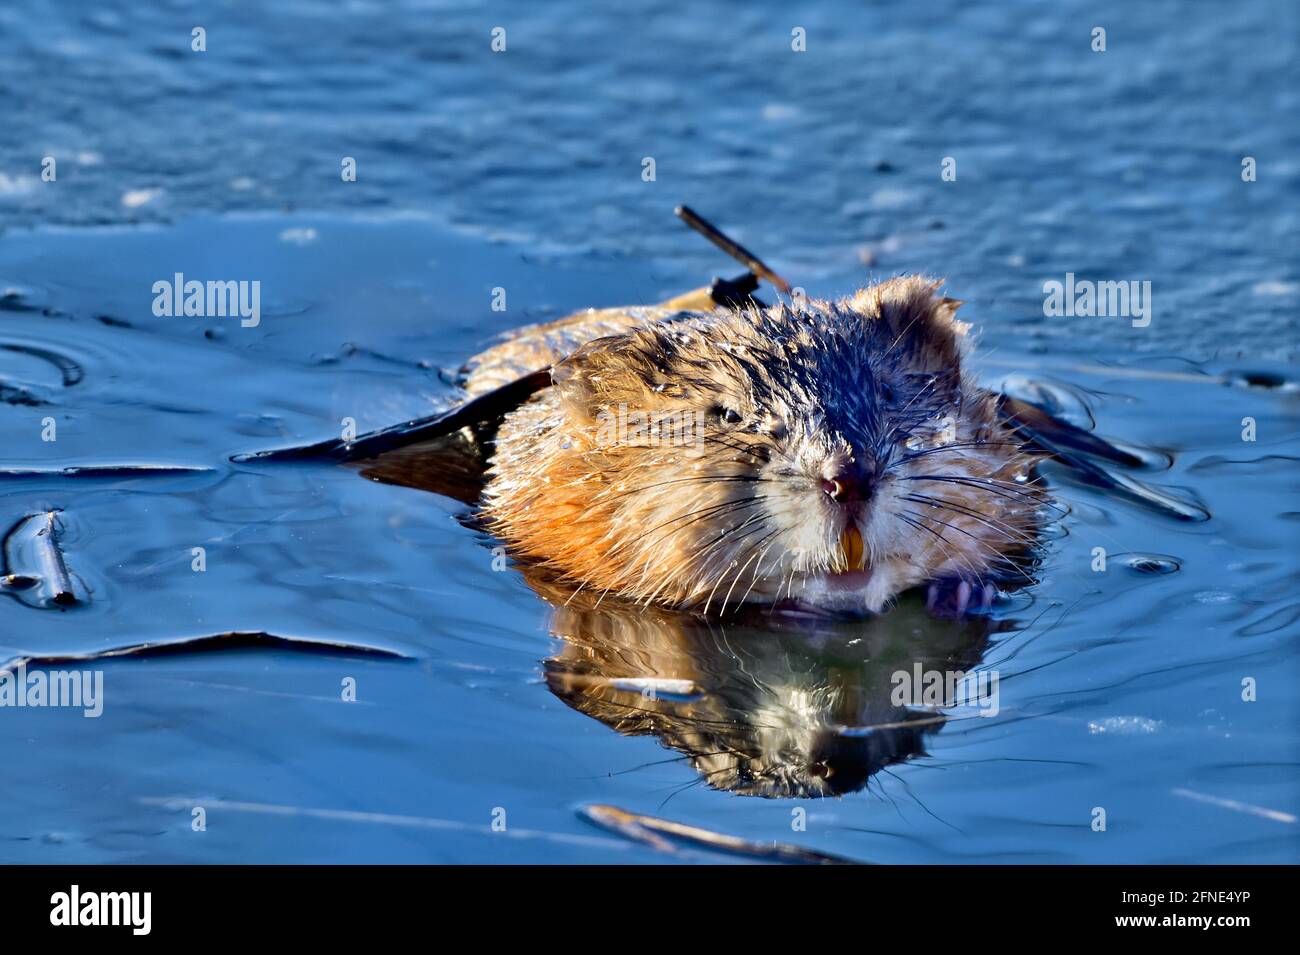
(1126, 298)
(211, 299)
(133, 910)
(76, 689)
(946, 688)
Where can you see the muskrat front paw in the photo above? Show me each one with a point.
(951, 598)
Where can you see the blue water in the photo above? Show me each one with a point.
(522, 170)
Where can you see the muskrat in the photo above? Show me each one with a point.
(711, 451)
(822, 455)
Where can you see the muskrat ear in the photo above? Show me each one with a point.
(915, 317)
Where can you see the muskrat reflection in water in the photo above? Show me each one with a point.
(772, 706)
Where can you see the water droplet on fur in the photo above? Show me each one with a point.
(935, 433)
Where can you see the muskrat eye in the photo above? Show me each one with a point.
(727, 415)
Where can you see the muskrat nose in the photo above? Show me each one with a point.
(838, 487)
(849, 484)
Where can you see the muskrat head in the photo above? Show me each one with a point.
(829, 456)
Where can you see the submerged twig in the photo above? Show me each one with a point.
(656, 833)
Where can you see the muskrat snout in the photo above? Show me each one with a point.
(851, 483)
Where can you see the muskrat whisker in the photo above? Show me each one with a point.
(726, 532)
(945, 545)
(918, 521)
(1030, 489)
(694, 478)
(719, 438)
(691, 517)
(916, 800)
(703, 573)
(732, 530)
(751, 450)
(697, 781)
(705, 570)
(723, 576)
(995, 558)
(577, 590)
(789, 587)
(958, 446)
(721, 770)
(751, 441)
(648, 567)
(757, 567)
(740, 570)
(681, 757)
(1002, 488)
(1002, 527)
(754, 578)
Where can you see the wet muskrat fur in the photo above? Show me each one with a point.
(825, 455)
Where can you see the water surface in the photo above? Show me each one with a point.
(1120, 690)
